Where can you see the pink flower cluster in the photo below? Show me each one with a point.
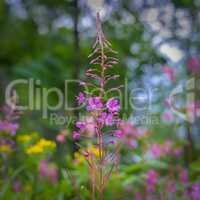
(104, 113)
(151, 180)
(128, 134)
(8, 127)
(167, 148)
(48, 171)
(195, 191)
(172, 185)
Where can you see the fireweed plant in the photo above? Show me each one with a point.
(104, 112)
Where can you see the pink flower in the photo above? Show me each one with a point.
(196, 191)
(81, 98)
(81, 126)
(169, 72)
(118, 133)
(151, 180)
(156, 150)
(171, 186)
(43, 168)
(161, 149)
(167, 103)
(109, 120)
(138, 196)
(76, 135)
(60, 138)
(167, 116)
(127, 128)
(178, 151)
(183, 177)
(132, 143)
(194, 65)
(129, 133)
(167, 147)
(52, 174)
(94, 103)
(151, 197)
(17, 186)
(49, 171)
(113, 105)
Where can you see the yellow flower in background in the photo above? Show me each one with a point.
(46, 143)
(28, 188)
(79, 158)
(5, 148)
(91, 150)
(34, 149)
(24, 138)
(27, 137)
(40, 146)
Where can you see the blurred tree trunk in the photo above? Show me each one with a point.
(77, 50)
(190, 147)
(77, 53)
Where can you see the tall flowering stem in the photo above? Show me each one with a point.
(105, 113)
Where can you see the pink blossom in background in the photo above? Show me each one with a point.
(9, 127)
(178, 151)
(118, 134)
(167, 147)
(17, 186)
(48, 171)
(193, 65)
(129, 134)
(183, 177)
(76, 135)
(169, 72)
(60, 138)
(171, 186)
(132, 143)
(167, 117)
(195, 191)
(43, 168)
(151, 197)
(151, 180)
(156, 150)
(159, 150)
(126, 127)
(167, 103)
(138, 196)
(52, 174)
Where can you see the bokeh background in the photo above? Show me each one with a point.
(158, 44)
